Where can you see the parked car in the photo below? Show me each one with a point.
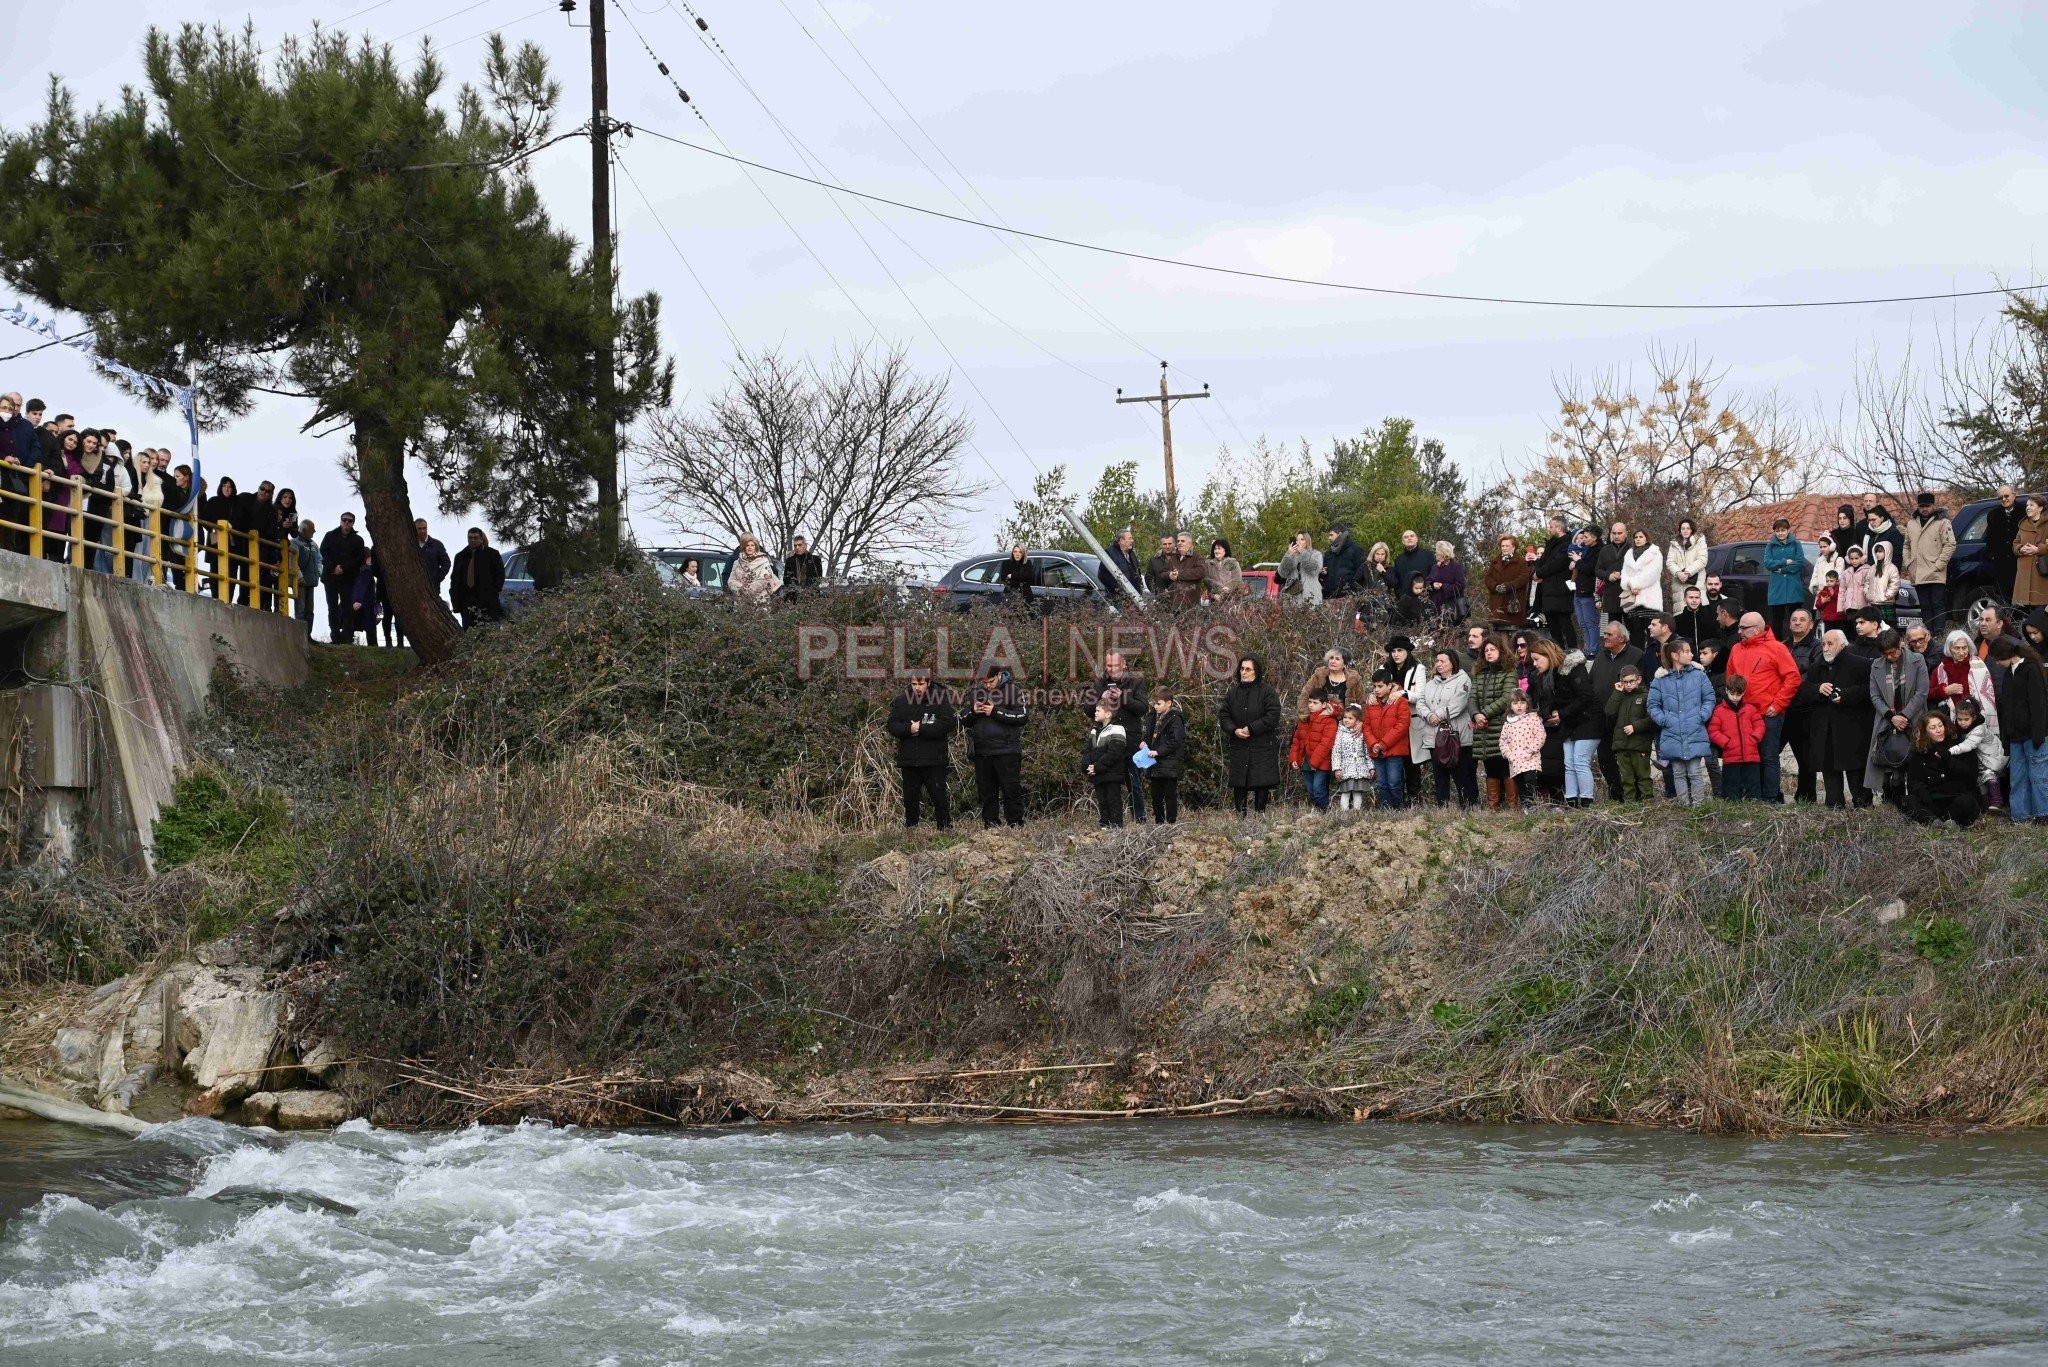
(1741, 567)
(518, 591)
(712, 566)
(1063, 576)
(1262, 583)
(1969, 572)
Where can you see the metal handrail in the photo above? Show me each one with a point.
(242, 552)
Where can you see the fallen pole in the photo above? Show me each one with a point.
(67, 1112)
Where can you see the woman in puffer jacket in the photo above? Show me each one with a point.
(1685, 560)
(1493, 683)
(1642, 587)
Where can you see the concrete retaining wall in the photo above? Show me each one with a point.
(109, 677)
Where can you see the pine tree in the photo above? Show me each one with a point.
(327, 225)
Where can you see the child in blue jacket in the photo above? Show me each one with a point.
(1682, 703)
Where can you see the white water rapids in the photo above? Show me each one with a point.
(1210, 1242)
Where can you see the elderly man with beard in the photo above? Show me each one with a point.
(1838, 692)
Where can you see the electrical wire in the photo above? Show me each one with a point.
(724, 322)
(1347, 286)
(478, 4)
(500, 28)
(804, 153)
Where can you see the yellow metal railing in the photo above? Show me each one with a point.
(257, 572)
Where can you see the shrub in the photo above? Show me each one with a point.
(1838, 1075)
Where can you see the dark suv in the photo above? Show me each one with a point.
(1063, 576)
(1740, 564)
(1969, 572)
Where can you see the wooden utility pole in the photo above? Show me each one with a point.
(605, 459)
(1166, 401)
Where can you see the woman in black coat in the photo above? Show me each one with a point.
(1166, 736)
(1249, 717)
(1940, 785)
(1017, 577)
(224, 505)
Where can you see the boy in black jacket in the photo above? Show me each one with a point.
(1103, 760)
(923, 719)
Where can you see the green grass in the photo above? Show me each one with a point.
(1941, 939)
(1333, 1010)
(1842, 1074)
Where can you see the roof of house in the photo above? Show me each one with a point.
(1813, 514)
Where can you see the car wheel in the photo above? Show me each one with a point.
(1973, 599)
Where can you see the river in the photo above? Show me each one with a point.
(1192, 1242)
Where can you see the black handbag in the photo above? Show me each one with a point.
(1897, 746)
(1445, 749)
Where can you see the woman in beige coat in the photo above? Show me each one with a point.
(2029, 544)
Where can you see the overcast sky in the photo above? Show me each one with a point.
(1754, 151)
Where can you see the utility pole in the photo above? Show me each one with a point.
(1166, 402)
(605, 459)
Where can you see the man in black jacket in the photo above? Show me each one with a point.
(2001, 525)
(1123, 553)
(433, 555)
(1607, 573)
(1695, 621)
(342, 554)
(1837, 690)
(1603, 668)
(1127, 690)
(995, 742)
(1553, 575)
(1343, 563)
(801, 569)
(922, 719)
(1803, 643)
(1156, 581)
(1414, 560)
(478, 579)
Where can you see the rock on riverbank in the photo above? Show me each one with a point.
(211, 1035)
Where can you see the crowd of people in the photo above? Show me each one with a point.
(102, 472)
(1598, 667)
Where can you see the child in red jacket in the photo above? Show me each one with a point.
(1386, 737)
(1737, 731)
(1309, 751)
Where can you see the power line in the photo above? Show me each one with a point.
(1341, 284)
(479, 4)
(802, 151)
(499, 28)
(725, 322)
(1025, 254)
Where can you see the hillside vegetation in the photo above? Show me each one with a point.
(620, 862)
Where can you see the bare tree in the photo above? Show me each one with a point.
(864, 459)
(1940, 422)
(1677, 444)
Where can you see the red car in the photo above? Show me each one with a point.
(1254, 578)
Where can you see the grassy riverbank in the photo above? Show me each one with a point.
(536, 885)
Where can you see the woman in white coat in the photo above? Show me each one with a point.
(1686, 560)
(1642, 587)
(1443, 702)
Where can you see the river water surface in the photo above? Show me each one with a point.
(1211, 1242)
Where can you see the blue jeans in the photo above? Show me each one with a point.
(1318, 781)
(1578, 768)
(1136, 785)
(1587, 607)
(1772, 781)
(2027, 778)
(1391, 776)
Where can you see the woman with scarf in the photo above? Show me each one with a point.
(220, 518)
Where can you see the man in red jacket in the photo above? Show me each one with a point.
(1773, 678)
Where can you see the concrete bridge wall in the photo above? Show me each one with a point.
(104, 679)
